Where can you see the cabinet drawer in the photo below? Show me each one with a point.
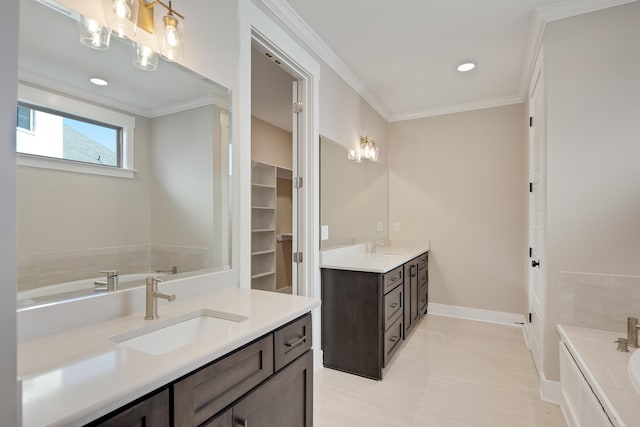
(422, 261)
(393, 304)
(206, 392)
(392, 279)
(392, 340)
(291, 341)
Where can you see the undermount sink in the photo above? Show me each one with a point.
(174, 333)
(634, 370)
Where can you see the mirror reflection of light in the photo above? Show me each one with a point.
(121, 9)
(172, 36)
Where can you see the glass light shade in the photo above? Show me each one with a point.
(144, 57)
(121, 16)
(170, 33)
(93, 34)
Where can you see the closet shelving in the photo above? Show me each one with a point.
(263, 226)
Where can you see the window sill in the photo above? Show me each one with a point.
(27, 160)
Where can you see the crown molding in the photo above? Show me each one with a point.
(459, 108)
(294, 22)
(541, 16)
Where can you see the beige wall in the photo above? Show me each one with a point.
(593, 152)
(270, 144)
(458, 181)
(64, 211)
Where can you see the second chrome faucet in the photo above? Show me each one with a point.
(632, 331)
(152, 296)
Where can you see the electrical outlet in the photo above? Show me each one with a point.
(380, 227)
(396, 227)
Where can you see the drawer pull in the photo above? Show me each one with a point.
(393, 338)
(242, 421)
(296, 343)
(394, 305)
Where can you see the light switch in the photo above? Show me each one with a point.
(380, 228)
(396, 227)
(324, 232)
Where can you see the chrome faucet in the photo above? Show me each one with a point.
(632, 331)
(152, 296)
(172, 270)
(375, 243)
(111, 284)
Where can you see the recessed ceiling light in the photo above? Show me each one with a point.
(467, 66)
(98, 82)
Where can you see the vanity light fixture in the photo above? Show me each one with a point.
(121, 16)
(144, 57)
(467, 66)
(169, 28)
(93, 34)
(368, 151)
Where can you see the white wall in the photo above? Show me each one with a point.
(593, 152)
(8, 90)
(458, 180)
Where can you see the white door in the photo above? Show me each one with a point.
(297, 195)
(536, 281)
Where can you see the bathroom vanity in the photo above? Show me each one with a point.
(370, 303)
(242, 368)
(597, 390)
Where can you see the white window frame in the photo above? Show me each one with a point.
(54, 101)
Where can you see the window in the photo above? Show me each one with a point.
(25, 118)
(60, 136)
(55, 131)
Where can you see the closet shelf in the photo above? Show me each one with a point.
(262, 230)
(263, 207)
(284, 237)
(263, 252)
(268, 273)
(253, 184)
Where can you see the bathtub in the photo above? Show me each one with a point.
(76, 289)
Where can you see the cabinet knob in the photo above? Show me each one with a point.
(242, 422)
(535, 263)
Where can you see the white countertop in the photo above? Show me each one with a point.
(75, 377)
(605, 369)
(386, 257)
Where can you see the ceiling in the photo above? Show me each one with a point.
(401, 56)
(53, 57)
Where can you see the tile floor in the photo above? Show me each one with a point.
(450, 372)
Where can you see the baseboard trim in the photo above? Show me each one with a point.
(550, 391)
(478, 314)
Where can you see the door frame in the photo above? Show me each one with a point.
(256, 26)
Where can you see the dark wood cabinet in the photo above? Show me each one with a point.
(268, 382)
(151, 410)
(410, 295)
(366, 315)
(284, 400)
(423, 284)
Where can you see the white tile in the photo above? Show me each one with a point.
(450, 372)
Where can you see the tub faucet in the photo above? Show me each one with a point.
(632, 331)
(111, 284)
(152, 296)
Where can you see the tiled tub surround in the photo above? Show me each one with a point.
(598, 301)
(41, 269)
(86, 375)
(605, 370)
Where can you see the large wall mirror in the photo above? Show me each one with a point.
(151, 195)
(354, 198)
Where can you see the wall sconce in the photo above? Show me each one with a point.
(121, 16)
(93, 34)
(368, 151)
(169, 28)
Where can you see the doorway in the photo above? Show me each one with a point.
(275, 215)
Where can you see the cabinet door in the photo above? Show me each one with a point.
(152, 411)
(410, 295)
(285, 400)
